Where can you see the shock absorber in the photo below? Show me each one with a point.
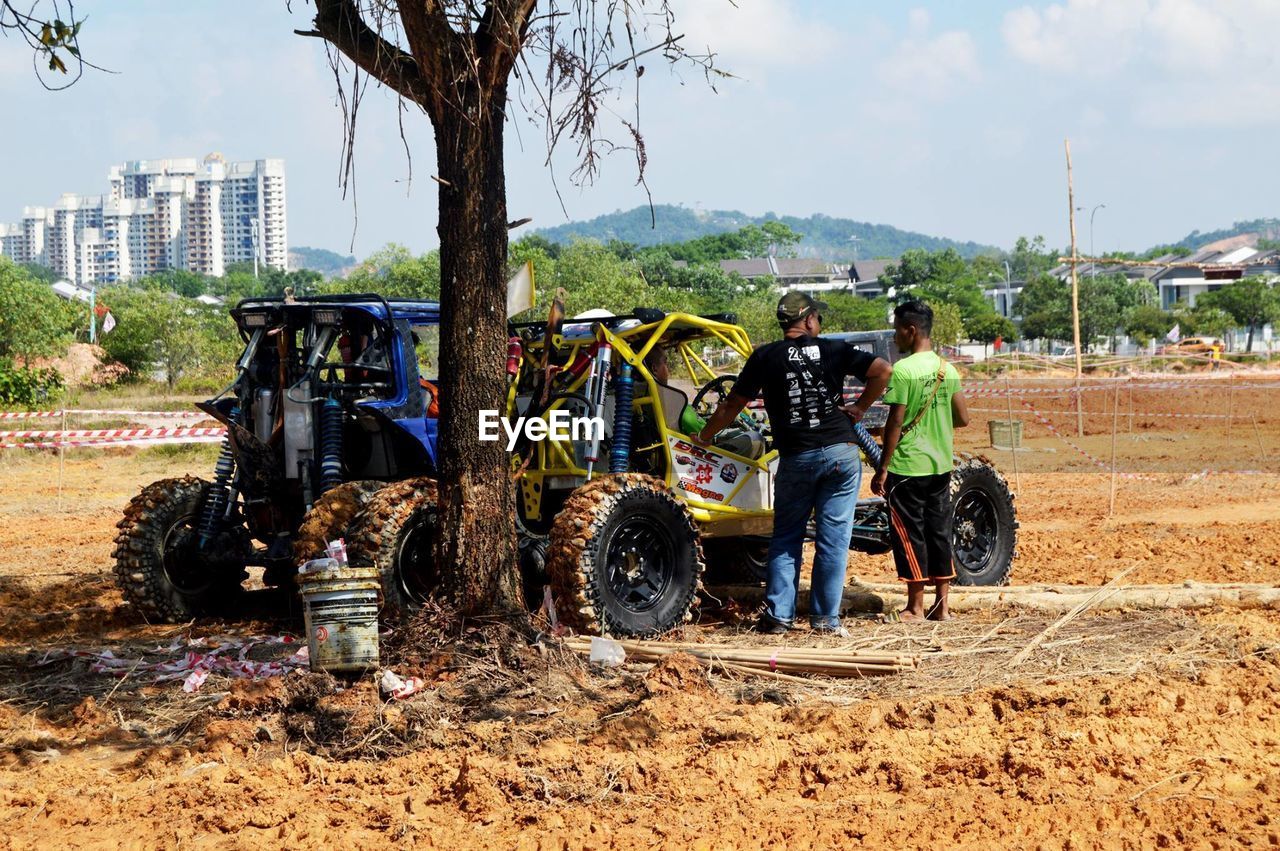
(215, 503)
(623, 389)
(867, 444)
(597, 385)
(330, 444)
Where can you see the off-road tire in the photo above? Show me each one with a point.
(331, 516)
(984, 523)
(736, 560)
(395, 533)
(603, 515)
(154, 526)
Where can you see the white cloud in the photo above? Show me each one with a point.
(1085, 36)
(929, 66)
(1181, 61)
(753, 33)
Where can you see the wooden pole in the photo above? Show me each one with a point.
(1013, 444)
(1075, 293)
(1130, 407)
(1115, 423)
(1231, 400)
(1262, 451)
(62, 455)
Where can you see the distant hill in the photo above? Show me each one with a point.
(326, 262)
(1259, 228)
(825, 237)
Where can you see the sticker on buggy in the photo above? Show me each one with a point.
(703, 473)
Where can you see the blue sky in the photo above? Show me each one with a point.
(942, 117)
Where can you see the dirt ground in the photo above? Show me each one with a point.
(1127, 729)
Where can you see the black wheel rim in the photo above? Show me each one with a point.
(640, 559)
(415, 562)
(187, 570)
(974, 532)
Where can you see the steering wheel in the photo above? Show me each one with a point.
(711, 394)
(715, 391)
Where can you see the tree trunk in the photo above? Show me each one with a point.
(476, 503)
(1249, 345)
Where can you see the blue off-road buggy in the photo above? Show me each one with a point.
(331, 431)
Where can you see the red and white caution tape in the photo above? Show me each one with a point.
(78, 434)
(1097, 462)
(82, 412)
(27, 415)
(1134, 414)
(152, 437)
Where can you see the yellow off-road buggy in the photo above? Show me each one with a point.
(620, 519)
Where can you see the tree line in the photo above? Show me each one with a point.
(162, 332)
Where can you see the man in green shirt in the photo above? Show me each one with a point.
(915, 472)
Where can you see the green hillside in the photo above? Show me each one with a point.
(824, 236)
(322, 260)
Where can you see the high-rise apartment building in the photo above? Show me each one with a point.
(200, 215)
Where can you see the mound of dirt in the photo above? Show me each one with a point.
(86, 365)
(678, 672)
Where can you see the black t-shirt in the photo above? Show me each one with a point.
(802, 381)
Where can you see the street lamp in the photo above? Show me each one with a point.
(1008, 293)
(1093, 265)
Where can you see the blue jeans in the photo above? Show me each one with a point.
(823, 482)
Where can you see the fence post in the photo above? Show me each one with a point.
(62, 454)
(1115, 422)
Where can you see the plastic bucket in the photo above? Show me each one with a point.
(340, 610)
(1005, 434)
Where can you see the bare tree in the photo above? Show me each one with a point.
(455, 59)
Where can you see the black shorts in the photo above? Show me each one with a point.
(920, 519)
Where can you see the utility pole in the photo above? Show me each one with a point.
(1075, 293)
(93, 312)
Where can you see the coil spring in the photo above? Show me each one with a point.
(220, 491)
(623, 390)
(867, 444)
(330, 444)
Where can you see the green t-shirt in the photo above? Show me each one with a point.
(927, 449)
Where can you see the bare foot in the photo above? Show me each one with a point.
(938, 613)
(910, 617)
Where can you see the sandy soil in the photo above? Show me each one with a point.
(1134, 729)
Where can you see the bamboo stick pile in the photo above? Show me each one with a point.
(781, 662)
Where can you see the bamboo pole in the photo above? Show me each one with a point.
(1231, 400)
(1013, 444)
(1262, 452)
(1075, 293)
(766, 661)
(1115, 424)
(1130, 407)
(62, 456)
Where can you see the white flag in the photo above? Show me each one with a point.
(1174, 333)
(520, 290)
(108, 322)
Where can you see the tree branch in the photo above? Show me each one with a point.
(339, 22)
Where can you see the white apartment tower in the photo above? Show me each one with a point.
(191, 214)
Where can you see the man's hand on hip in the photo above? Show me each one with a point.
(853, 412)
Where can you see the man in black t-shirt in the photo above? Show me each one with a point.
(801, 378)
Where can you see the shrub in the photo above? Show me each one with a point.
(28, 387)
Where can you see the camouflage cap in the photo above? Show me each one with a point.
(795, 306)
